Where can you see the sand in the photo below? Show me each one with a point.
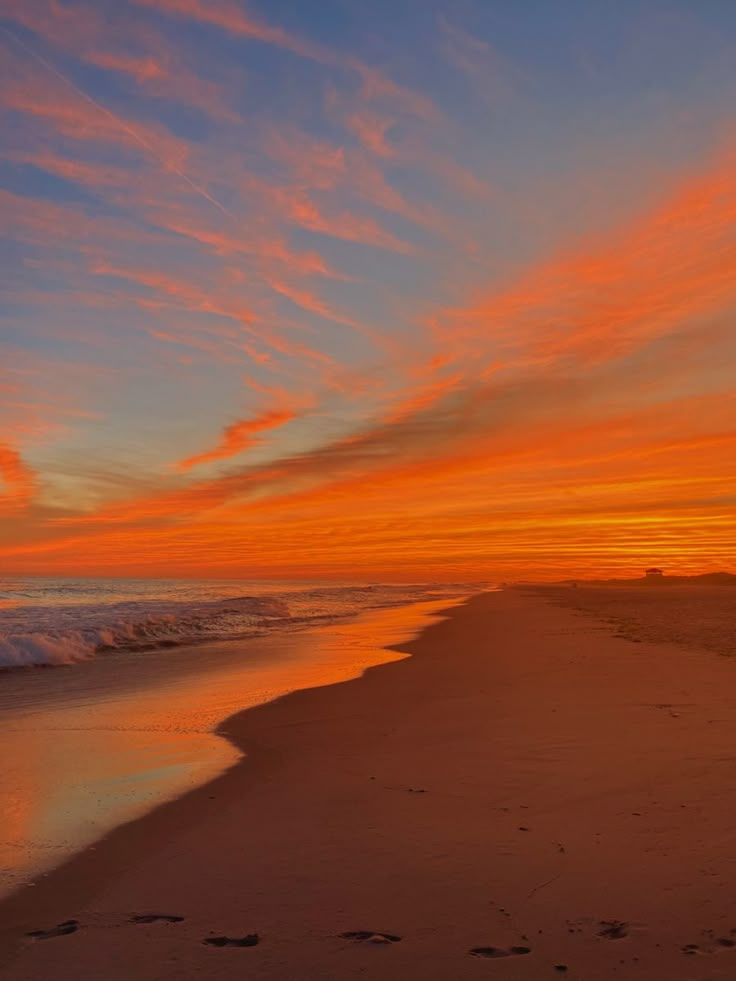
(697, 616)
(525, 782)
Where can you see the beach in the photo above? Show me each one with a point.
(527, 795)
(90, 746)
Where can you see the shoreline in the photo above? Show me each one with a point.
(82, 873)
(467, 796)
(110, 740)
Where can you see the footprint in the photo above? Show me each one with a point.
(156, 918)
(613, 929)
(248, 941)
(68, 926)
(370, 936)
(516, 951)
(725, 942)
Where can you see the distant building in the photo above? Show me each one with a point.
(654, 572)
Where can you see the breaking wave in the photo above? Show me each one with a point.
(23, 650)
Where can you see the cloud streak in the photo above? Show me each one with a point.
(614, 296)
(238, 437)
(18, 482)
(231, 18)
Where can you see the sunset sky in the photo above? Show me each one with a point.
(367, 289)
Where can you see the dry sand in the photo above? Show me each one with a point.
(525, 781)
(698, 616)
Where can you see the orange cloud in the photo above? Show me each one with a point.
(78, 29)
(165, 77)
(58, 23)
(17, 480)
(239, 436)
(612, 297)
(308, 300)
(45, 223)
(143, 70)
(371, 130)
(170, 216)
(72, 116)
(320, 167)
(422, 398)
(88, 174)
(188, 295)
(300, 209)
(611, 487)
(229, 243)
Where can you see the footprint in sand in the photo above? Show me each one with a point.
(613, 929)
(718, 943)
(156, 918)
(250, 940)
(61, 930)
(516, 951)
(370, 936)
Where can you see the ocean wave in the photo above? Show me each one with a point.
(57, 633)
(28, 650)
(149, 631)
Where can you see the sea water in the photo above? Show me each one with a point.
(66, 621)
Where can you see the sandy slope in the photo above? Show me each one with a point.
(526, 780)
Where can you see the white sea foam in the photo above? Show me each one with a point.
(25, 650)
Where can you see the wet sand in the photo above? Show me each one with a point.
(528, 796)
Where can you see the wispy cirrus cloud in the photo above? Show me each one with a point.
(240, 318)
(71, 116)
(494, 78)
(231, 18)
(133, 50)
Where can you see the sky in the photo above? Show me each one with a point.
(409, 290)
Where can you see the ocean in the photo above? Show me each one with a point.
(67, 621)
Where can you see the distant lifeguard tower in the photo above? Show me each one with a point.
(653, 573)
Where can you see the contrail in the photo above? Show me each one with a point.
(120, 123)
